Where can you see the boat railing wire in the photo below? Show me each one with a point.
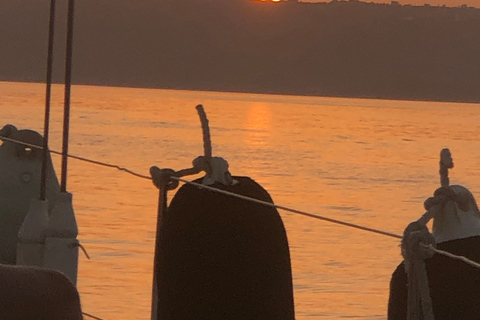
(269, 204)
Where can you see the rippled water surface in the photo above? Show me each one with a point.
(370, 162)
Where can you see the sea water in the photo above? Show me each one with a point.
(368, 162)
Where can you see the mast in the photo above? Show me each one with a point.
(51, 32)
(68, 84)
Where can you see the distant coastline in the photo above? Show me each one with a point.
(346, 49)
(250, 92)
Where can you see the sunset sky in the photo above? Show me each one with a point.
(449, 3)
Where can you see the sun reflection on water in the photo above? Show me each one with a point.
(258, 124)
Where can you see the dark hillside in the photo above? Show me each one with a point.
(350, 49)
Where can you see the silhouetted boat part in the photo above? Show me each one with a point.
(46, 231)
(223, 258)
(39, 235)
(20, 179)
(29, 293)
(219, 257)
(429, 285)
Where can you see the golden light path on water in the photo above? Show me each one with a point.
(369, 162)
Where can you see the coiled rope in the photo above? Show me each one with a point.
(419, 303)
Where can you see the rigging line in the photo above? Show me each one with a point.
(68, 85)
(91, 316)
(268, 204)
(48, 93)
(453, 256)
(104, 164)
(311, 215)
(100, 163)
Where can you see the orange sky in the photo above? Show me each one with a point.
(448, 3)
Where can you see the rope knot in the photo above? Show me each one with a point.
(444, 194)
(163, 177)
(415, 242)
(218, 170)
